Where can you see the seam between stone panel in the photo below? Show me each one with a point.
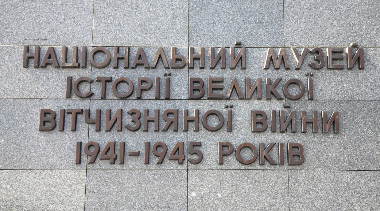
(93, 21)
(221, 100)
(188, 75)
(135, 46)
(283, 23)
(288, 201)
(88, 139)
(170, 169)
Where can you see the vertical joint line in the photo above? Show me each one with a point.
(283, 21)
(188, 75)
(93, 21)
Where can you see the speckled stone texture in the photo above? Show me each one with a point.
(332, 23)
(136, 190)
(46, 22)
(222, 23)
(37, 83)
(237, 190)
(42, 189)
(322, 150)
(141, 23)
(178, 77)
(23, 146)
(135, 140)
(330, 190)
(38, 170)
(354, 84)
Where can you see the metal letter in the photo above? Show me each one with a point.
(249, 90)
(222, 152)
(331, 57)
(359, 55)
(234, 84)
(193, 56)
(120, 56)
(194, 119)
(135, 119)
(240, 159)
(76, 87)
(214, 60)
(74, 113)
(160, 54)
(140, 59)
(318, 58)
(170, 120)
(241, 56)
(117, 82)
(299, 84)
(141, 87)
(95, 121)
(255, 121)
(298, 153)
(194, 87)
(299, 59)
(104, 81)
(276, 61)
(264, 154)
(75, 63)
(211, 87)
(106, 61)
(151, 119)
(209, 127)
(271, 88)
(334, 119)
(176, 57)
(312, 120)
(47, 119)
(291, 119)
(50, 58)
(27, 55)
(111, 122)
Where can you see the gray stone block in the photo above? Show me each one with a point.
(221, 23)
(333, 23)
(136, 190)
(46, 22)
(30, 82)
(238, 190)
(42, 190)
(330, 190)
(321, 150)
(23, 146)
(135, 140)
(141, 23)
(178, 77)
(355, 84)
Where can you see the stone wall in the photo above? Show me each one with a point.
(38, 168)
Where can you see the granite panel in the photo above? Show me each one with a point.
(330, 190)
(178, 77)
(238, 190)
(23, 146)
(135, 140)
(46, 22)
(30, 82)
(332, 23)
(42, 190)
(136, 190)
(141, 23)
(222, 23)
(355, 84)
(357, 135)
